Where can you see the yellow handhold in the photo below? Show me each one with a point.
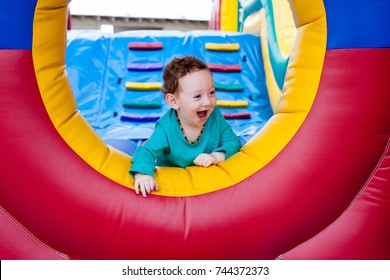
(143, 86)
(232, 103)
(222, 47)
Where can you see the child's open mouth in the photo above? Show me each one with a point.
(202, 114)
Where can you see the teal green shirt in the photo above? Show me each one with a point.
(168, 147)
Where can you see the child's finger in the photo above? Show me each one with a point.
(197, 161)
(151, 185)
(147, 187)
(205, 162)
(143, 190)
(136, 187)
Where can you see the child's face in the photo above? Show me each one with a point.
(195, 99)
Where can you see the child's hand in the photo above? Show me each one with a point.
(144, 183)
(206, 160)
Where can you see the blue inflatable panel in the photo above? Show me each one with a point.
(368, 24)
(16, 20)
(97, 69)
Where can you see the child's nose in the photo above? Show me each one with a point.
(206, 101)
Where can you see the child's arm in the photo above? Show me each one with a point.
(230, 143)
(144, 159)
(144, 183)
(206, 160)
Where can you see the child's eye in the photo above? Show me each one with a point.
(212, 92)
(197, 96)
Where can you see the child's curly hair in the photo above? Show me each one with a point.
(178, 68)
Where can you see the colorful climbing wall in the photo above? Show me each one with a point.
(117, 78)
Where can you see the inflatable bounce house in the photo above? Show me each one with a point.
(312, 183)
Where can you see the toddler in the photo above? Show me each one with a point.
(192, 132)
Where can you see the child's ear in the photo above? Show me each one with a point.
(171, 100)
